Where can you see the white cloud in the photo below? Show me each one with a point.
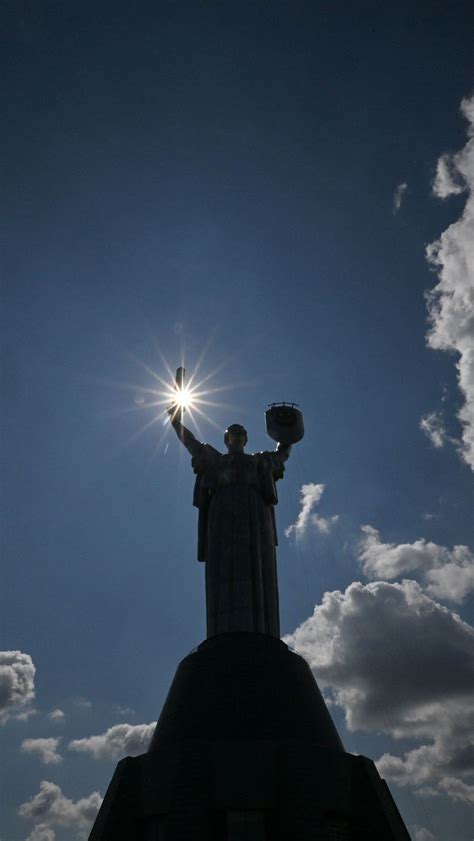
(457, 789)
(324, 524)
(447, 573)
(310, 497)
(56, 715)
(422, 834)
(389, 560)
(451, 302)
(52, 808)
(119, 740)
(46, 749)
(17, 685)
(41, 832)
(430, 767)
(400, 663)
(122, 710)
(83, 703)
(398, 196)
(453, 580)
(433, 426)
(447, 182)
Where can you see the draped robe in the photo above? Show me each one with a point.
(236, 494)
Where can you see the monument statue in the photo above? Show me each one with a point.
(235, 493)
(244, 747)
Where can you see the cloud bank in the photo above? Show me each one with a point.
(51, 808)
(17, 685)
(310, 497)
(451, 302)
(119, 740)
(398, 662)
(41, 832)
(446, 573)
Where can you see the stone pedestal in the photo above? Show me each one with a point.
(245, 750)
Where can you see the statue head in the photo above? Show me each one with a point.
(235, 438)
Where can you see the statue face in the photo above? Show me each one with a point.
(235, 442)
(235, 438)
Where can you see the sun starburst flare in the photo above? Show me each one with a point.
(194, 398)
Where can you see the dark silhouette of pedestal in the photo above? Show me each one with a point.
(245, 750)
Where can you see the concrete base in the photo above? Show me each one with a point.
(245, 750)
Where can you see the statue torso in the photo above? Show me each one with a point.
(237, 469)
(216, 472)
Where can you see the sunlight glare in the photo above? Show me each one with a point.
(170, 392)
(183, 398)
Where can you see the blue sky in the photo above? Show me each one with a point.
(227, 179)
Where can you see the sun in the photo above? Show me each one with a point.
(189, 396)
(183, 398)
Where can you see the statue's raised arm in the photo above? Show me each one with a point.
(184, 434)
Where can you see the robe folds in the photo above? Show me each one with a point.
(235, 494)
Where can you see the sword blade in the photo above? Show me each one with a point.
(180, 374)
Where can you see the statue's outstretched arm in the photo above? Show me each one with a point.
(283, 451)
(185, 435)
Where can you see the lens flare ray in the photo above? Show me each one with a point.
(166, 393)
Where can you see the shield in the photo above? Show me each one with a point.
(284, 423)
